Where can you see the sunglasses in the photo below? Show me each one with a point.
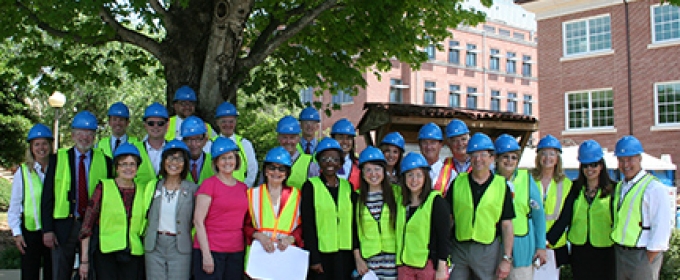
(510, 157)
(155, 123)
(590, 165)
(329, 159)
(276, 168)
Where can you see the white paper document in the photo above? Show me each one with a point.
(290, 264)
(370, 275)
(548, 271)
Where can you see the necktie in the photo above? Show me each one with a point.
(308, 149)
(194, 172)
(82, 186)
(117, 144)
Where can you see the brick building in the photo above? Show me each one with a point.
(607, 70)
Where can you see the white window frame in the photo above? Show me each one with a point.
(588, 51)
(307, 96)
(342, 97)
(590, 110)
(430, 88)
(656, 105)
(396, 87)
(496, 98)
(653, 30)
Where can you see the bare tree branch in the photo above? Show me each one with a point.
(257, 56)
(130, 36)
(264, 36)
(93, 41)
(158, 7)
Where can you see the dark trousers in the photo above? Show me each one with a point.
(588, 262)
(336, 266)
(37, 255)
(228, 266)
(109, 267)
(63, 255)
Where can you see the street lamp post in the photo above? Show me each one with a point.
(56, 101)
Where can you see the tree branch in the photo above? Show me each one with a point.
(130, 36)
(158, 7)
(264, 36)
(257, 56)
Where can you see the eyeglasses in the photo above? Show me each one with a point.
(83, 132)
(414, 175)
(377, 169)
(194, 140)
(185, 103)
(548, 153)
(590, 165)
(329, 160)
(510, 157)
(127, 164)
(480, 155)
(175, 159)
(155, 123)
(279, 168)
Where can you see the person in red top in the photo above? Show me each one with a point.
(273, 217)
(344, 132)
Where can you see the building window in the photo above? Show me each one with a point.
(510, 65)
(588, 35)
(666, 23)
(504, 32)
(667, 103)
(395, 91)
(590, 109)
(489, 28)
(343, 96)
(528, 105)
(431, 51)
(471, 56)
(430, 97)
(495, 100)
(471, 100)
(494, 60)
(454, 96)
(512, 102)
(307, 96)
(526, 66)
(454, 52)
(518, 36)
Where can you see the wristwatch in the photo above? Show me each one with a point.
(507, 258)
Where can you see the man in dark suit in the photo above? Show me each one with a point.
(71, 176)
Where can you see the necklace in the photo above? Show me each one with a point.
(591, 192)
(170, 195)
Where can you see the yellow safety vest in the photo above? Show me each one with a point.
(31, 201)
(240, 173)
(591, 222)
(172, 126)
(477, 223)
(520, 200)
(113, 222)
(628, 214)
(413, 237)
(104, 145)
(553, 203)
(375, 236)
(206, 170)
(62, 180)
(145, 172)
(299, 171)
(271, 224)
(333, 221)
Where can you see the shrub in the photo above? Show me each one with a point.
(5, 193)
(670, 269)
(10, 258)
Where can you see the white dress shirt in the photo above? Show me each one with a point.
(249, 151)
(155, 155)
(16, 206)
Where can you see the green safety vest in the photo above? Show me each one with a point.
(333, 221)
(145, 172)
(520, 223)
(114, 234)
(31, 201)
(172, 125)
(299, 171)
(628, 214)
(553, 207)
(105, 145)
(375, 236)
(591, 222)
(477, 223)
(413, 236)
(62, 180)
(240, 173)
(206, 170)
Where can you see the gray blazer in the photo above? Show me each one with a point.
(185, 216)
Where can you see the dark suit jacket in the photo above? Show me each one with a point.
(61, 227)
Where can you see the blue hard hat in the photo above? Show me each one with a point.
(327, 143)
(84, 120)
(175, 144)
(226, 109)
(288, 125)
(455, 128)
(278, 155)
(480, 142)
(506, 143)
(185, 93)
(549, 141)
(412, 161)
(39, 131)
(371, 154)
(192, 126)
(590, 151)
(394, 139)
(221, 146)
(119, 109)
(127, 149)
(628, 146)
(343, 126)
(430, 131)
(309, 114)
(156, 110)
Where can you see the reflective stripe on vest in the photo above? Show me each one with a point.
(553, 203)
(333, 222)
(263, 216)
(591, 222)
(113, 222)
(413, 236)
(375, 236)
(628, 214)
(520, 200)
(442, 183)
(477, 223)
(299, 171)
(32, 194)
(206, 170)
(105, 145)
(240, 173)
(145, 172)
(62, 179)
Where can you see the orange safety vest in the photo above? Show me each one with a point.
(261, 209)
(441, 185)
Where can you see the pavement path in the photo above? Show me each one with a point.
(10, 274)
